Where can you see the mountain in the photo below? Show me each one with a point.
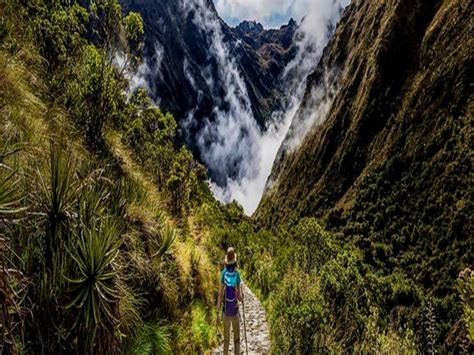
(184, 70)
(110, 236)
(387, 154)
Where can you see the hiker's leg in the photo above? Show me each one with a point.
(227, 322)
(236, 328)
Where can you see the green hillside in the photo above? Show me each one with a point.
(111, 240)
(98, 253)
(390, 169)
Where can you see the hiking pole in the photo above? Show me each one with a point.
(245, 325)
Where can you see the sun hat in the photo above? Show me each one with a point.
(230, 257)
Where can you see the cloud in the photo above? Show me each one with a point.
(314, 112)
(232, 145)
(139, 77)
(238, 152)
(311, 38)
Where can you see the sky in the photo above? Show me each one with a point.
(270, 13)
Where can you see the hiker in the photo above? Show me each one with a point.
(230, 291)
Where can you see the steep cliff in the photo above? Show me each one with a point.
(381, 146)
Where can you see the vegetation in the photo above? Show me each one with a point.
(95, 192)
(322, 296)
(110, 237)
(388, 170)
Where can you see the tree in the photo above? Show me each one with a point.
(93, 98)
(134, 31)
(179, 181)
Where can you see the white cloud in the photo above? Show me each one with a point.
(311, 38)
(138, 77)
(233, 142)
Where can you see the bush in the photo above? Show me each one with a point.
(298, 311)
(151, 339)
(465, 288)
(202, 331)
(313, 246)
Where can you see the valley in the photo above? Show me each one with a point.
(234, 89)
(140, 139)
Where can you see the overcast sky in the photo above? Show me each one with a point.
(271, 13)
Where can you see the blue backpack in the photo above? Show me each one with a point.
(230, 294)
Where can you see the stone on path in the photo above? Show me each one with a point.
(258, 336)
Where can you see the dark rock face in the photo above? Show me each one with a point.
(184, 65)
(389, 166)
(250, 28)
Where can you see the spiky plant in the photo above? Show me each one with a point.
(168, 235)
(12, 281)
(194, 261)
(54, 200)
(93, 282)
(93, 198)
(9, 200)
(119, 196)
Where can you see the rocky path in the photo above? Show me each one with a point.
(257, 328)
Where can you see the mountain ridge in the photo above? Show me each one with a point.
(187, 41)
(388, 165)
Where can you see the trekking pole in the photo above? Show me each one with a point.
(245, 325)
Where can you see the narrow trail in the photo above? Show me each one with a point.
(258, 336)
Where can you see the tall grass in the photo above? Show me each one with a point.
(13, 284)
(151, 339)
(203, 333)
(18, 105)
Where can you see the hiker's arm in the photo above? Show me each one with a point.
(240, 295)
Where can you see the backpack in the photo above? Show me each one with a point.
(230, 293)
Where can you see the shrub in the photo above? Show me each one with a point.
(298, 311)
(202, 331)
(465, 286)
(313, 245)
(151, 339)
(388, 340)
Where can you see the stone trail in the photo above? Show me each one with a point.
(258, 336)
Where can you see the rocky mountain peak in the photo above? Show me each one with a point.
(184, 49)
(291, 23)
(250, 27)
